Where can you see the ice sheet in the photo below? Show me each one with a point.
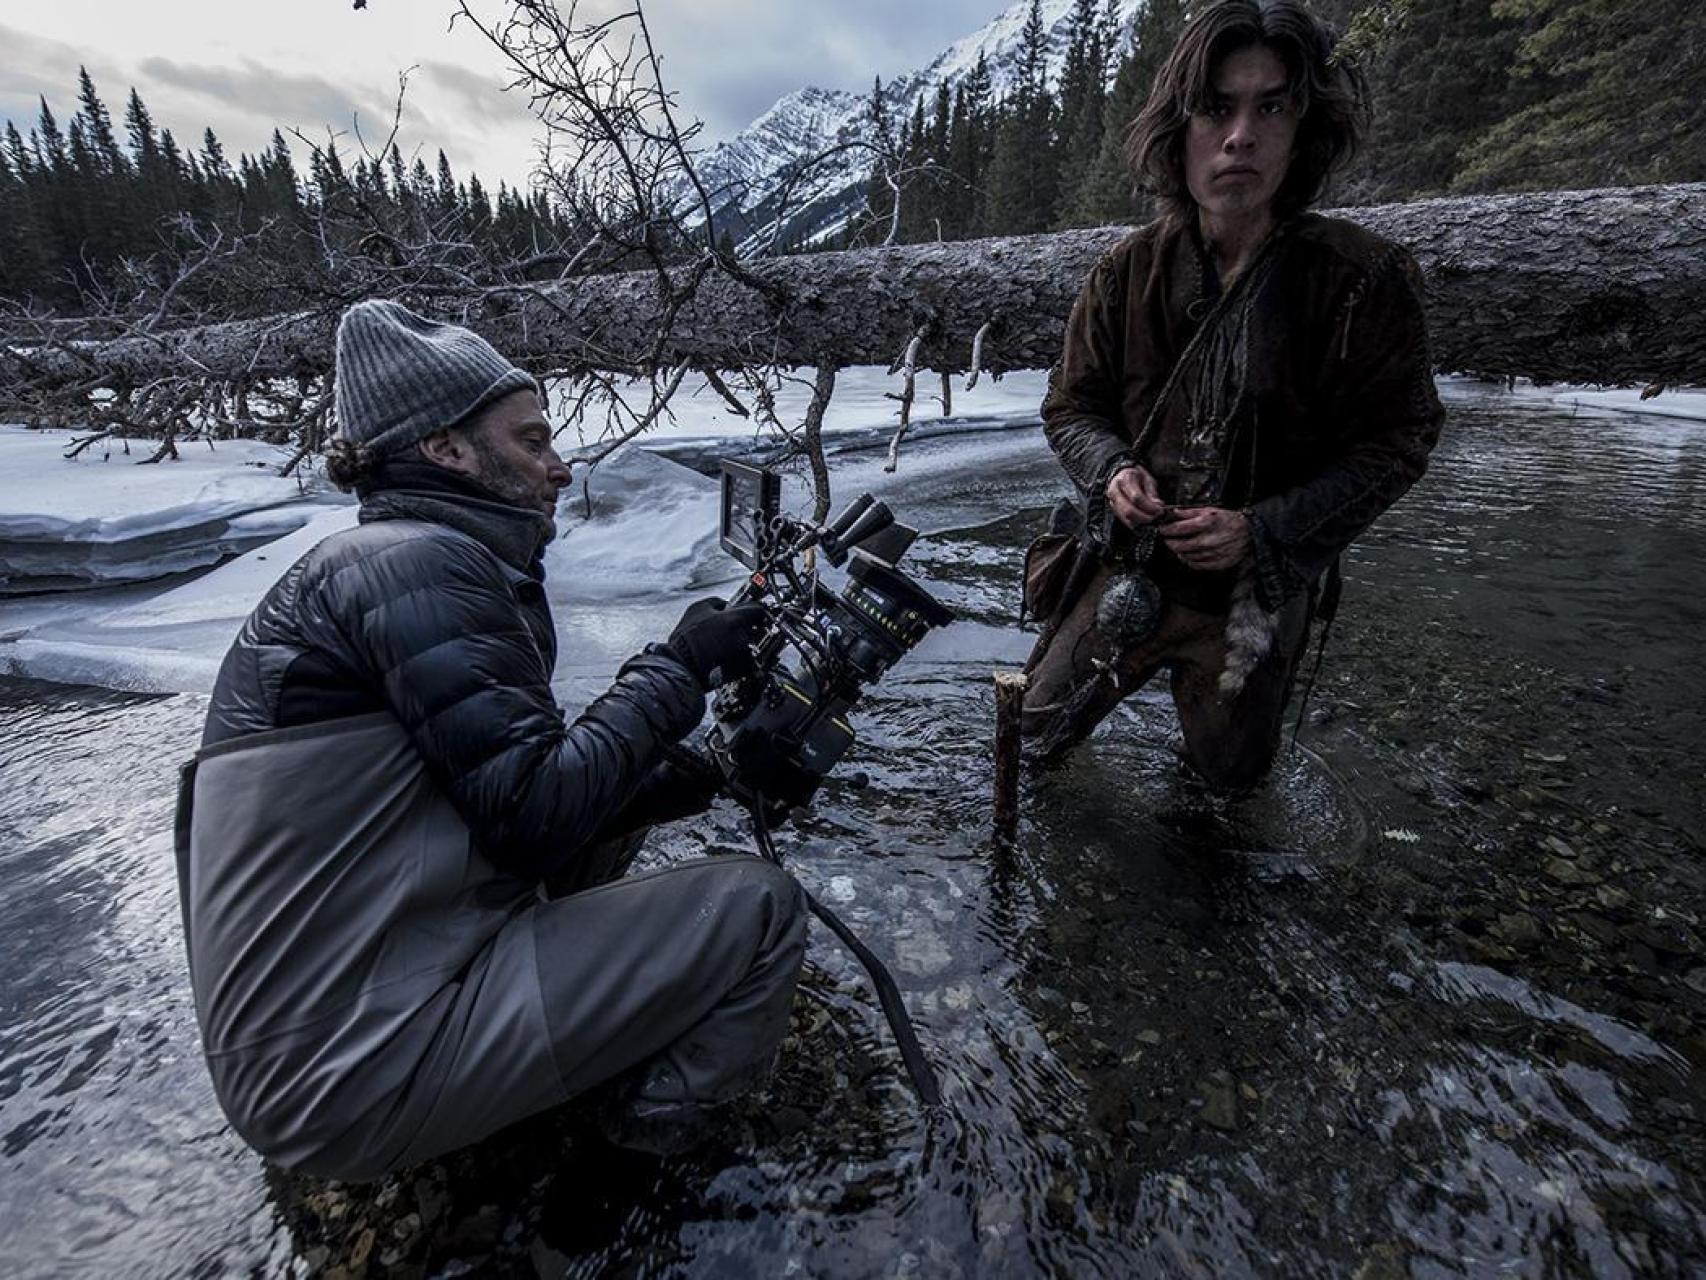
(1673, 402)
(622, 576)
(102, 518)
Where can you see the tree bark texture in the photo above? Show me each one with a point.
(1583, 286)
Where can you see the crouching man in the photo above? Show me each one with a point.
(385, 781)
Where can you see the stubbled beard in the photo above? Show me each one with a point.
(495, 476)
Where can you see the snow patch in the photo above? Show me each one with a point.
(100, 518)
(616, 581)
(1687, 403)
(652, 528)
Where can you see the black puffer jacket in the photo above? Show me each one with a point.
(432, 609)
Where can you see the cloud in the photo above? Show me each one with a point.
(477, 99)
(307, 102)
(730, 60)
(36, 67)
(467, 109)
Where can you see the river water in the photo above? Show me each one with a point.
(1429, 1005)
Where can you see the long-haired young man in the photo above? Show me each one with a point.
(1244, 387)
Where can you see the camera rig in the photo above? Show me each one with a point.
(778, 732)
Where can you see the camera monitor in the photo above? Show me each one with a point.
(751, 497)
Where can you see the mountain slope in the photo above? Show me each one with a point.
(760, 189)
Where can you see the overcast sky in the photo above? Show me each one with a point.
(245, 68)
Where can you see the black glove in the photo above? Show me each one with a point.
(714, 642)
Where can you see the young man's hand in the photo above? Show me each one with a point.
(1133, 497)
(1208, 537)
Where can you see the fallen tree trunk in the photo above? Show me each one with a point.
(1593, 286)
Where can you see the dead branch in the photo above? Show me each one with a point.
(907, 365)
(823, 387)
(977, 353)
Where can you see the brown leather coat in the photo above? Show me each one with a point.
(1326, 387)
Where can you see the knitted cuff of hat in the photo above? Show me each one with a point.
(402, 376)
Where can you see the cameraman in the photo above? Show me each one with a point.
(385, 782)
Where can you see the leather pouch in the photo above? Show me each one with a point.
(1048, 563)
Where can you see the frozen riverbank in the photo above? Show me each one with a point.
(648, 540)
(616, 579)
(640, 530)
(101, 519)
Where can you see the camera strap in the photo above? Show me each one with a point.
(918, 1068)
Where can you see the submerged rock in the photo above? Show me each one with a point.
(1220, 1104)
(1520, 930)
(1570, 874)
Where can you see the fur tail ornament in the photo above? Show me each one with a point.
(1250, 631)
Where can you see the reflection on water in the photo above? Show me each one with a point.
(113, 1150)
(1429, 1005)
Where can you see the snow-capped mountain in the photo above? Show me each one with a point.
(998, 42)
(756, 177)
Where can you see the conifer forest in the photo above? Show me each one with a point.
(1470, 96)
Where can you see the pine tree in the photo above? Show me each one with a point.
(401, 193)
(50, 142)
(1083, 95)
(1624, 98)
(879, 194)
(1106, 192)
(56, 195)
(213, 162)
(98, 127)
(1024, 169)
(22, 158)
(152, 194)
(100, 209)
(86, 217)
(222, 195)
(445, 194)
(477, 209)
(139, 125)
(174, 174)
(966, 155)
(421, 190)
(280, 194)
(917, 212)
(26, 260)
(938, 182)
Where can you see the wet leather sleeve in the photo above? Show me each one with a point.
(1081, 411)
(438, 624)
(1384, 420)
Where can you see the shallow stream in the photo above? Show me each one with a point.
(1429, 1005)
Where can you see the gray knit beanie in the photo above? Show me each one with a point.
(401, 377)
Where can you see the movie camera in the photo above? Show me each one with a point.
(778, 732)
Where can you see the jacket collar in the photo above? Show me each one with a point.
(408, 490)
(1210, 284)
